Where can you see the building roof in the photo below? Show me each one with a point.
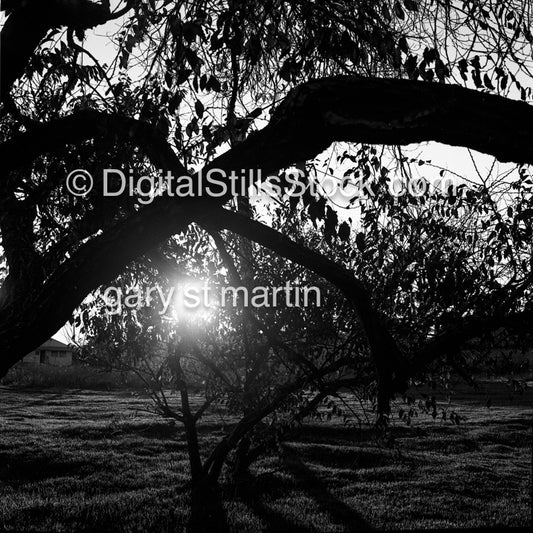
(52, 344)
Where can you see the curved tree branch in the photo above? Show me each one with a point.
(386, 111)
(385, 353)
(313, 115)
(317, 113)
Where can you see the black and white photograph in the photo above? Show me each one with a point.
(266, 266)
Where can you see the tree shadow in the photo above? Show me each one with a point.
(275, 520)
(154, 430)
(24, 467)
(43, 397)
(340, 512)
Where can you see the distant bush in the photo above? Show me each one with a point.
(77, 377)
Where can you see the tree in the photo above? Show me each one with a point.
(266, 367)
(383, 73)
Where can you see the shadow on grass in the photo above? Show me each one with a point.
(344, 457)
(251, 493)
(45, 397)
(161, 431)
(347, 435)
(340, 512)
(20, 468)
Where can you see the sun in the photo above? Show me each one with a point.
(193, 301)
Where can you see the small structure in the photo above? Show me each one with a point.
(52, 352)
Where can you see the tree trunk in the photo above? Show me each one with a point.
(207, 510)
(240, 468)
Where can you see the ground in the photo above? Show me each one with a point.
(86, 460)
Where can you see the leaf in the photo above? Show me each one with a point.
(330, 226)
(213, 84)
(477, 79)
(403, 46)
(441, 70)
(488, 82)
(256, 112)
(463, 67)
(411, 67)
(191, 58)
(360, 242)
(344, 231)
(399, 11)
(124, 58)
(503, 82)
(411, 5)
(476, 63)
(430, 55)
(199, 108)
(183, 76)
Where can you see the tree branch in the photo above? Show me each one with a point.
(386, 111)
(452, 340)
(311, 117)
(30, 20)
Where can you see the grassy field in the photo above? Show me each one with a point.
(82, 460)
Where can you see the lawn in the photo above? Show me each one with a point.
(85, 460)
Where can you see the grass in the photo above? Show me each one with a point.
(69, 377)
(85, 461)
